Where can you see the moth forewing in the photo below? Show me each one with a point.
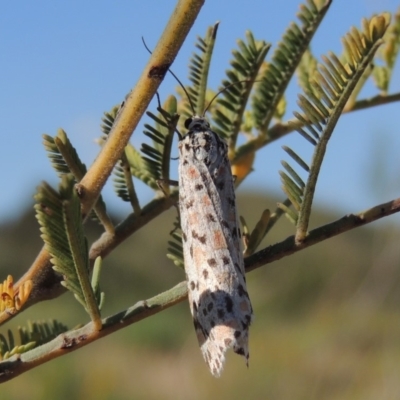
(214, 266)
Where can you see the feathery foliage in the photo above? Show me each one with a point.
(108, 120)
(59, 215)
(253, 239)
(388, 53)
(278, 72)
(157, 156)
(64, 159)
(230, 107)
(153, 164)
(199, 66)
(30, 336)
(334, 83)
(67, 161)
(305, 71)
(123, 182)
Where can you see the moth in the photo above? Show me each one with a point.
(214, 267)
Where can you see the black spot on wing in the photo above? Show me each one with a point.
(231, 201)
(212, 262)
(228, 303)
(240, 351)
(241, 291)
(226, 260)
(201, 239)
(221, 185)
(210, 218)
(234, 232)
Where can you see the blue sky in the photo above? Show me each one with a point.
(65, 63)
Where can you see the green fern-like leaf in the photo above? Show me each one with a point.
(120, 181)
(198, 75)
(108, 120)
(279, 71)
(30, 336)
(58, 161)
(388, 53)
(230, 107)
(157, 156)
(153, 164)
(59, 215)
(41, 331)
(253, 239)
(50, 214)
(306, 70)
(138, 166)
(334, 83)
(123, 182)
(65, 160)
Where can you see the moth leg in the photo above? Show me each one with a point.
(162, 183)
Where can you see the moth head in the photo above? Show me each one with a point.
(197, 124)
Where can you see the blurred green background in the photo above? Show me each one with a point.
(327, 321)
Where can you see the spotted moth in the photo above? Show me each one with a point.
(214, 266)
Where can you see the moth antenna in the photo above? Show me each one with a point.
(221, 91)
(158, 100)
(184, 89)
(180, 83)
(145, 46)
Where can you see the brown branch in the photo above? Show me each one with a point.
(106, 243)
(378, 100)
(136, 103)
(46, 283)
(288, 246)
(73, 340)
